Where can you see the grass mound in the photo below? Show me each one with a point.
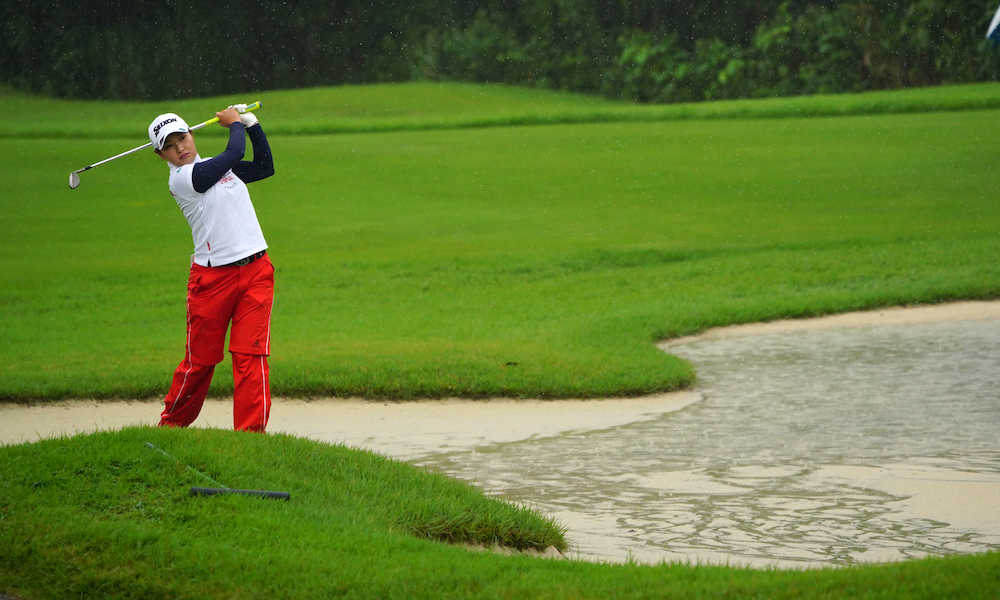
(103, 516)
(108, 503)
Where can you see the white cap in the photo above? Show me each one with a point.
(164, 125)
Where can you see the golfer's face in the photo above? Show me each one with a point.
(179, 149)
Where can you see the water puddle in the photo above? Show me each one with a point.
(802, 448)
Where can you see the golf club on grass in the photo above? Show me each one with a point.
(221, 489)
(74, 177)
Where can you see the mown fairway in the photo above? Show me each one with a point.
(526, 261)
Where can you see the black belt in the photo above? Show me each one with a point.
(243, 261)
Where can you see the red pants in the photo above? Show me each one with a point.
(217, 296)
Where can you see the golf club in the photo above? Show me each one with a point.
(204, 491)
(993, 32)
(74, 177)
(221, 489)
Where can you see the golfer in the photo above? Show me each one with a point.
(232, 278)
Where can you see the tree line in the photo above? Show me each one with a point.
(645, 50)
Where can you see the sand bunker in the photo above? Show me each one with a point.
(398, 429)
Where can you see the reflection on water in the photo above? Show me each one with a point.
(820, 447)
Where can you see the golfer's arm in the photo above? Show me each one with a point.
(206, 173)
(262, 164)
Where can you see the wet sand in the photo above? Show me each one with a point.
(897, 315)
(414, 431)
(403, 430)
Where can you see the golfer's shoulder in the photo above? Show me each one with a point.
(180, 178)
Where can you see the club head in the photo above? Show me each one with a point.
(74, 181)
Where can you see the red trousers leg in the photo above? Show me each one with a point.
(251, 392)
(187, 394)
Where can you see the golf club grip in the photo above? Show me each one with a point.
(250, 108)
(204, 491)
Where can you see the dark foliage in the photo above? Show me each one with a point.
(655, 51)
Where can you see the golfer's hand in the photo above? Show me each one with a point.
(247, 118)
(228, 116)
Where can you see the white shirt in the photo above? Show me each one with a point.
(223, 223)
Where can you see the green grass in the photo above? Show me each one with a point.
(103, 516)
(422, 106)
(535, 261)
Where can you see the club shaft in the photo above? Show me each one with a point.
(126, 153)
(189, 467)
(137, 148)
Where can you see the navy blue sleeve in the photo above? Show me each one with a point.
(206, 173)
(262, 165)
